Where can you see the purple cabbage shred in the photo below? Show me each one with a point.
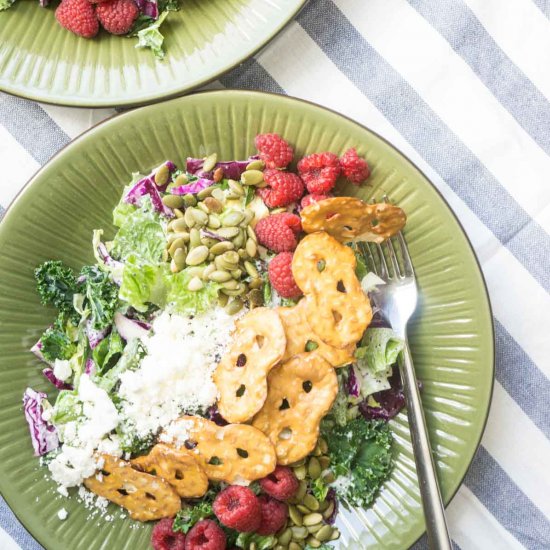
(95, 336)
(59, 384)
(232, 169)
(391, 401)
(90, 366)
(43, 435)
(148, 7)
(331, 497)
(193, 187)
(146, 186)
(212, 235)
(353, 387)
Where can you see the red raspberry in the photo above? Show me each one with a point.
(239, 508)
(283, 188)
(354, 168)
(205, 535)
(280, 276)
(163, 538)
(278, 232)
(319, 172)
(274, 514)
(118, 16)
(274, 150)
(77, 16)
(310, 199)
(281, 484)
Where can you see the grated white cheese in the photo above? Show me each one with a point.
(177, 433)
(62, 514)
(62, 369)
(176, 374)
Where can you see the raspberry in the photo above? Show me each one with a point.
(278, 232)
(274, 514)
(354, 168)
(319, 172)
(310, 199)
(118, 16)
(163, 538)
(281, 484)
(77, 16)
(205, 535)
(283, 188)
(239, 508)
(274, 150)
(280, 276)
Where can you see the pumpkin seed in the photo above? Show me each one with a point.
(231, 257)
(251, 248)
(220, 263)
(178, 243)
(309, 500)
(179, 258)
(179, 235)
(285, 537)
(228, 232)
(241, 289)
(200, 217)
(280, 547)
(256, 165)
(252, 177)
(314, 528)
(203, 193)
(178, 225)
(213, 204)
(173, 267)
(197, 255)
(218, 194)
(161, 175)
(195, 271)
(303, 509)
(314, 468)
(194, 238)
(221, 247)
(248, 217)
(324, 533)
(214, 222)
(295, 515)
(231, 219)
(222, 299)
(195, 283)
(251, 269)
(252, 546)
(218, 174)
(335, 535)
(243, 254)
(236, 273)
(182, 179)
(234, 306)
(210, 162)
(312, 542)
(251, 234)
(324, 461)
(294, 546)
(203, 207)
(236, 187)
(329, 477)
(189, 199)
(312, 519)
(189, 217)
(323, 445)
(165, 255)
(211, 257)
(323, 505)
(179, 214)
(230, 284)
(256, 283)
(299, 533)
(329, 511)
(302, 490)
(173, 201)
(300, 472)
(209, 242)
(219, 276)
(300, 462)
(256, 297)
(207, 271)
(238, 241)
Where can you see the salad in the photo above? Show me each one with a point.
(219, 368)
(139, 19)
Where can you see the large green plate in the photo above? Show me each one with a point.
(42, 61)
(451, 336)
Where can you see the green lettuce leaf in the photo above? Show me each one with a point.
(67, 408)
(130, 359)
(107, 353)
(144, 284)
(151, 37)
(189, 515)
(379, 350)
(5, 4)
(184, 301)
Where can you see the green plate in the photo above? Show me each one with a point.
(451, 336)
(42, 61)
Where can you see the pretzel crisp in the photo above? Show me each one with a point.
(146, 497)
(179, 469)
(301, 338)
(349, 219)
(241, 376)
(336, 307)
(235, 453)
(301, 392)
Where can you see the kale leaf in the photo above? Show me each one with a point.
(188, 516)
(56, 284)
(101, 296)
(56, 343)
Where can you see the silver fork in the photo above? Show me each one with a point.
(397, 301)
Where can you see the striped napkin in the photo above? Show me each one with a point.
(462, 87)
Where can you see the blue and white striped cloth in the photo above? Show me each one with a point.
(463, 88)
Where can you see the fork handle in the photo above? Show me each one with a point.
(434, 511)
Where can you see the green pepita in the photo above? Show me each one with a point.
(236, 187)
(195, 284)
(173, 267)
(251, 269)
(300, 462)
(222, 299)
(252, 546)
(256, 283)
(230, 284)
(314, 528)
(232, 219)
(312, 542)
(203, 207)
(213, 204)
(179, 214)
(165, 255)
(219, 194)
(238, 241)
(323, 505)
(329, 477)
(312, 519)
(252, 177)
(251, 248)
(323, 445)
(197, 255)
(236, 274)
(201, 218)
(302, 490)
(311, 502)
(248, 217)
(300, 472)
(335, 535)
(285, 537)
(194, 238)
(280, 547)
(219, 276)
(256, 165)
(329, 511)
(204, 193)
(189, 199)
(228, 232)
(256, 297)
(314, 468)
(231, 257)
(252, 234)
(195, 271)
(173, 201)
(324, 533)
(182, 179)
(299, 533)
(209, 242)
(210, 162)
(161, 175)
(214, 222)
(243, 254)
(206, 271)
(234, 306)
(324, 461)
(221, 247)
(178, 243)
(294, 546)
(189, 217)
(179, 258)
(241, 289)
(178, 225)
(304, 509)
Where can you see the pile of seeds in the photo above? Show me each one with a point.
(307, 523)
(216, 242)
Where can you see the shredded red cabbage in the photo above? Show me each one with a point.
(232, 169)
(148, 7)
(59, 384)
(37, 350)
(43, 435)
(193, 187)
(331, 497)
(130, 328)
(212, 235)
(95, 336)
(391, 401)
(90, 366)
(109, 261)
(353, 386)
(146, 186)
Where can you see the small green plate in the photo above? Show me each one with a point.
(451, 336)
(40, 60)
